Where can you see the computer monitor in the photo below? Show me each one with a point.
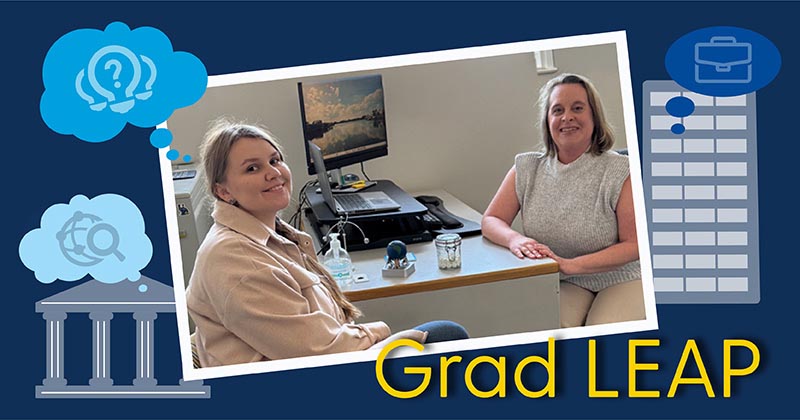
(346, 118)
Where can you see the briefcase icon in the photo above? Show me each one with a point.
(723, 60)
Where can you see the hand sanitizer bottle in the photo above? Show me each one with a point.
(338, 262)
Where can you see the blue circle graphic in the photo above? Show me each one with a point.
(161, 138)
(187, 158)
(173, 154)
(678, 128)
(723, 61)
(680, 106)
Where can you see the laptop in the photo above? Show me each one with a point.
(355, 203)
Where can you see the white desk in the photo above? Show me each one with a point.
(493, 293)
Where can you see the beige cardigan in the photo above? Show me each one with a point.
(256, 295)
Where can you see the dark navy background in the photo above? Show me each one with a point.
(41, 168)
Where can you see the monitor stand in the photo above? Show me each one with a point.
(381, 228)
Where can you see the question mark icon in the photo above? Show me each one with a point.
(118, 103)
(117, 69)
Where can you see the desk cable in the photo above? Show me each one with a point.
(296, 220)
(364, 173)
(340, 228)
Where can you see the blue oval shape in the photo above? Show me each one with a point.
(723, 61)
(680, 106)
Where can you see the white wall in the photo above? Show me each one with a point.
(454, 126)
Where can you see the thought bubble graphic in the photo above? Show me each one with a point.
(98, 81)
(681, 107)
(103, 237)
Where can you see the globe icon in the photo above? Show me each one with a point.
(85, 240)
(396, 250)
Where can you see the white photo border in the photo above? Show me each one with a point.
(650, 322)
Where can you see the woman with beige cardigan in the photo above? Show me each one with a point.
(257, 291)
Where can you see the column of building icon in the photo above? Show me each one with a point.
(102, 301)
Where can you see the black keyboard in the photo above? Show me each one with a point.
(352, 202)
(431, 222)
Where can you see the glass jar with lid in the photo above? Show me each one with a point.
(448, 250)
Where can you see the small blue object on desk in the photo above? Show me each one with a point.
(396, 250)
(411, 257)
(397, 262)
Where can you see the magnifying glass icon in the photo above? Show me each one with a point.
(111, 248)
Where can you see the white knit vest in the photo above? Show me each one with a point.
(571, 208)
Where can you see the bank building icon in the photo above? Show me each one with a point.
(143, 300)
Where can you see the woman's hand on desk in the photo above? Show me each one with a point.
(597, 262)
(418, 336)
(565, 265)
(523, 247)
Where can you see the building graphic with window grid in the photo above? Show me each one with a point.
(701, 192)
